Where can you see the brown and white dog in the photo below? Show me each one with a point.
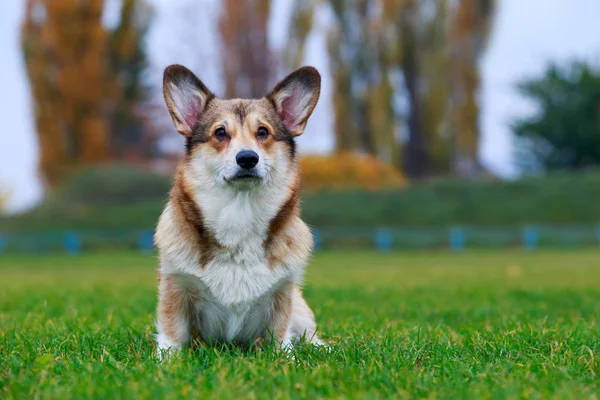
(231, 242)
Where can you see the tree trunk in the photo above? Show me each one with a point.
(416, 163)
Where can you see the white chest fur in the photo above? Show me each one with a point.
(240, 220)
(239, 271)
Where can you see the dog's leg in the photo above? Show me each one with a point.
(302, 321)
(175, 315)
(280, 318)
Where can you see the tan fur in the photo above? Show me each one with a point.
(302, 313)
(188, 219)
(175, 305)
(282, 311)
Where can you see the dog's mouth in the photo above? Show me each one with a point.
(244, 175)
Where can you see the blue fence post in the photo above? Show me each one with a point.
(598, 236)
(383, 240)
(457, 239)
(72, 244)
(2, 244)
(146, 241)
(530, 238)
(316, 239)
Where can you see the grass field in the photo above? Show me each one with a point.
(413, 325)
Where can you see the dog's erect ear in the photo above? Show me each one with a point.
(186, 97)
(295, 98)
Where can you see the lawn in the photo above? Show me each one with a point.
(503, 324)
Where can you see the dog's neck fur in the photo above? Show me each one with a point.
(228, 221)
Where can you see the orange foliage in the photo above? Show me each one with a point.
(76, 85)
(63, 45)
(469, 31)
(348, 171)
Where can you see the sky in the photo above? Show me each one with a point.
(527, 35)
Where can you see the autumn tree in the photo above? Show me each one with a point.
(442, 44)
(347, 134)
(416, 160)
(363, 91)
(81, 81)
(63, 43)
(435, 46)
(469, 32)
(434, 64)
(131, 132)
(248, 64)
(369, 42)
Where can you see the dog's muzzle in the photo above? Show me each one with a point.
(244, 174)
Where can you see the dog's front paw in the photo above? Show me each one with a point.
(164, 354)
(166, 349)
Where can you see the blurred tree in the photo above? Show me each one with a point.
(370, 42)
(247, 60)
(435, 46)
(63, 43)
(415, 45)
(565, 131)
(363, 92)
(346, 131)
(346, 135)
(80, 88)
(435, 65)
(469, 32)
(131, 132)
(347, 63)
(440, 43)
(301, 25)
(416, 160)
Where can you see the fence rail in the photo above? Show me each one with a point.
(456, 238)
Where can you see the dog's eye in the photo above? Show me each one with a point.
(220, 134)
(262, 133)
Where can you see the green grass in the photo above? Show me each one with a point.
(413, 325)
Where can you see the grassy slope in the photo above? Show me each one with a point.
(492, 324)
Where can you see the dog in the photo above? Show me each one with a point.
(232, 247)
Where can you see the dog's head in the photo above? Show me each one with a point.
(241, 143)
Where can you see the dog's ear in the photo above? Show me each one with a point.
(295, 98)
(186, 97)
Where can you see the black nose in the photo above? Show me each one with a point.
(246, 159)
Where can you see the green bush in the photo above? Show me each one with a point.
(122, 197)
(114, 185)
(112, 196)
(553, 199)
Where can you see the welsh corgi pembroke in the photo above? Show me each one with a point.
(232, 247)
